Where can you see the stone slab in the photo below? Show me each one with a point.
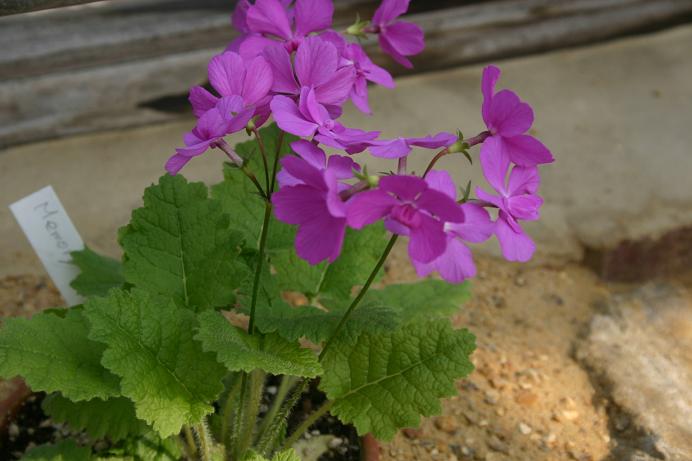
(639, 352)
(617, 117)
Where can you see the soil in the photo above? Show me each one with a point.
(528, 399)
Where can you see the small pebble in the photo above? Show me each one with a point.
(336, 442)
(524, 428)
(495, 444)
(271, 390)
(448, 424)
(570, 415)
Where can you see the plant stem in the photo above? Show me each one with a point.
(263, 152)
(317, 414)
(287, 383)
(250, 403)
(360, 295)
(434, 160)
(228, 409)
(204, 441)
(273, 436)
(260, 260)
(237, 161)
(276, 164)
(190, 445)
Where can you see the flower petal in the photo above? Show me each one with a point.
(440, 205)
(406, 188)
(282, 71)
(389, 10)
(337, 89)
(289, 118)
(441, 180)
(442, 139)
(454, 265)
(427, 241)
(269, 17)
(477, 226)
(508, 116)
(201, 100)
(176, 163)
(402, 39)
(526, 150)
(390, 148)
(313, 15)
(227, 73)
(367, 207)
(315, 62)
(494, 162)
(524, 180)
(491, 74)
(515, 246)
(260, 82)
(310, 153)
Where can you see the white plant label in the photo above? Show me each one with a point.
(53, 237)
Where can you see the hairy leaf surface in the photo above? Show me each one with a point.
(179, 244)
(383, 382)
(113, 418)
(53, 353)
(149, 345)
(238, 350)
(98, 273)
(65, 450)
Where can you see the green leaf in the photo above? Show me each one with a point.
(420, 300)
(97, 275)
(149, 345)
(53, 353)
(318, 324)
(180, 245)
(66, 450)
(285, 455)
(361, 251)
(383, 382)
(146, 447)
(240, 199)
(238, 350)
(113, 418)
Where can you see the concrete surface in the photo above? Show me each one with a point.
(617, 116)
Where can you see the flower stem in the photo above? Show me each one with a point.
(465, 144)
(317, 414)
(263, 152)
(190, 445)
(260, 260)
(237, 161)
(203, 441)
(276, 163)
(360, 295)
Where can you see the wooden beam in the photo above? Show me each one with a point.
(25, 6)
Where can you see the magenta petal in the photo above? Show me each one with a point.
(427, 241)
(477, 226)
(393, 148)
(524, 181)
(442, 139)
(442, 181)
(508, 116)
(525, 207)
(297, 204)
(310, 108)
(315, 62)
(269, 17)
(489, 199)
(251, 45)
(359, 95)
(491, 74)
(289, 118)
(515, 246)
(302, 170)
(227, 73)
(193, 150)
(389, 10)
(341, 166)
(404, 187)
(454, 265)
(494, 162)
(239, 17)
(176, 163)
(367, 207)
(259, 82)
(525, 150)
(310, 153)
(402, 39)
(440, 205)
(313, 15)
(282, 71)
(321, 239)
(337, 88)
(201, 100)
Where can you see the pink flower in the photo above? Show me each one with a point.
(353, 56)
(517, 200)
(309, 198)
(316, 65)
(456, 263)
(401, 147)
(409, 207)
(231, 75)
(508, 118)
(310, 118)
(268, 21)
(227, 117)
(397, 38)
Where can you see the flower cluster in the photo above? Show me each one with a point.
(289, 64)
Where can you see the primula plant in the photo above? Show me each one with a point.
(268, 275)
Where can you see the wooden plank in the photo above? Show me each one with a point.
(26, 6)
(145, 78)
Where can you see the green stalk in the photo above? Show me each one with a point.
(260, 260)
(229, 410)
(263, 152)
(190, 445)
(287, 383)
(272, 438)
(203, 441)
(250, 405)
(360, 295)
(317, 414)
